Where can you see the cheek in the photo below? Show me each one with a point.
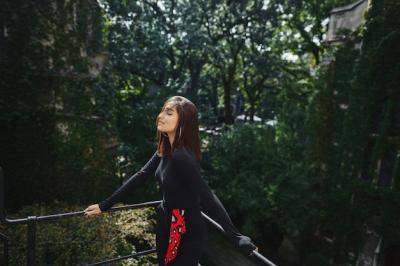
(172, 122)
(175, 120)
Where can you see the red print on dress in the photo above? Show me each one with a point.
(177, 228)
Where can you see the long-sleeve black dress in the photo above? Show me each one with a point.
(180, 227)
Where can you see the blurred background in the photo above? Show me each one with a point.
(299, 106)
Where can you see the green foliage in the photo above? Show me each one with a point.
(342, 135)
(78, 240)
(242, 167)
(301, 27)
(325, 171)
(316, 259)
(50, 138)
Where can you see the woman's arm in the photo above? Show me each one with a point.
(132, 183)
(188, 169)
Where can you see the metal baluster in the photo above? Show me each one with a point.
(5, 250)
(2, 211)
(31, 241)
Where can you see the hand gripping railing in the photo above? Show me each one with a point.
(32, 221)
(255, 253)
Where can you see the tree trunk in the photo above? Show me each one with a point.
(227, 103)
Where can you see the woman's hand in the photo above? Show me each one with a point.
(246, 245)
(92, 211)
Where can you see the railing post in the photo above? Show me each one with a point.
(3, 216)
(31, 241)
(6, 257)
(5, 250)
(2, 211)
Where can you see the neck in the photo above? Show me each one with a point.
(171, 137)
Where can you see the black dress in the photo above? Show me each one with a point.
(180, 227)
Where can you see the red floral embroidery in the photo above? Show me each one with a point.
(177, 228)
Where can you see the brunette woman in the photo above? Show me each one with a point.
(180, 229)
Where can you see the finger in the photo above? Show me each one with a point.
(94, 213)
(91, 212)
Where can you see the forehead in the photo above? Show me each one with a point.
(169, 107)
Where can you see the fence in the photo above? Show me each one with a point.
(32, 221)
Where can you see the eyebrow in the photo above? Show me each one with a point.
(169, 109)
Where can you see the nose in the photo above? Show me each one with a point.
(160, 119)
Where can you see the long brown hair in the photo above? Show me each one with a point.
(187, 130)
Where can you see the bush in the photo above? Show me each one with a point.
(79, 240)
(242, 166)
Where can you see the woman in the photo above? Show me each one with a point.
(180, 226)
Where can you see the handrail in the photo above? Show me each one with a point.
(31, 221)
(77, 213)
(141, 253)
(255, 253)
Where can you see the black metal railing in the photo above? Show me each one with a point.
(32, 221)
(141, 253)
(256, 254)
(5, 241)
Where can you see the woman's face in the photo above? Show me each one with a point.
(168, 119)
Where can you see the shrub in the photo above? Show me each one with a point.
(79, 240)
